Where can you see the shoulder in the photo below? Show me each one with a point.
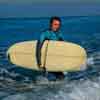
(45, 33)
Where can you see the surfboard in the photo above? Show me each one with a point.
(56, 56)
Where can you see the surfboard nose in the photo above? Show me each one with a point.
(8, 53)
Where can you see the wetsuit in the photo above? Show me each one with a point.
(48, 35)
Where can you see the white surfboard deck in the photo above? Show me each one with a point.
(58, 56)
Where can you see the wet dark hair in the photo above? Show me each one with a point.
(54, 18)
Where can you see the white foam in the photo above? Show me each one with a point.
(16, 97)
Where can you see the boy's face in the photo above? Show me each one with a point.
(55, 26)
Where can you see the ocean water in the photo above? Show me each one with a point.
(18, 84)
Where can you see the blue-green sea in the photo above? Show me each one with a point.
(17, 83)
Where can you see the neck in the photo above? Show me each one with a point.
(53, 30)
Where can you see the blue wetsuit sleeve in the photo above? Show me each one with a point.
(61, 38)
(38, 48)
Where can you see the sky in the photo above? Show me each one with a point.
(46, 8)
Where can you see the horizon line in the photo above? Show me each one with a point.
(48, 17)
